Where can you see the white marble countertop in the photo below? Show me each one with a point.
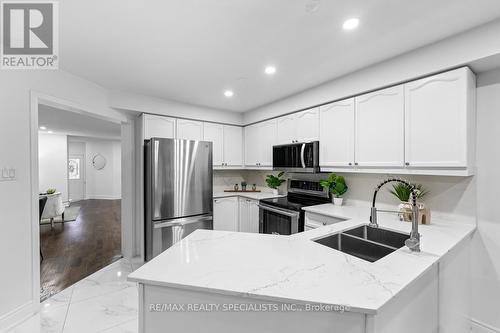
(249, 195)
(295, 268)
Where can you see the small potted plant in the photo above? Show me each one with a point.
(403, 193)
(243, 186)
(337, 186)
(275, 181)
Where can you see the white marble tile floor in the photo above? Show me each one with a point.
(102, 302)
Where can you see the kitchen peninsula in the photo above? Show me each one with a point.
(306, 286)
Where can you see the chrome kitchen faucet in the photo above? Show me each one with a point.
(413, 243)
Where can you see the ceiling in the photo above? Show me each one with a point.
(192, 50)
(75, 124)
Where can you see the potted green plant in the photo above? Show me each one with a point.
(243, 186)
(337, 186)
(274, 182)
(403, 193)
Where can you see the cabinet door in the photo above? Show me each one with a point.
(379, 128)
(436, 119)
(252, 145)
(189, 129)
(233, 145)
(226, 214)
(286, 130)
(215, 134)
(158, 127)
(336, 133)
(253, 212)
(266, 140)
(249, 215)
(307, 125)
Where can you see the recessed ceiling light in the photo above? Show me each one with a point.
(350, 24)
(43, 128)
(270, 70)
(228, 93)
(50, 132)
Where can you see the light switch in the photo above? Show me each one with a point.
(8, 174)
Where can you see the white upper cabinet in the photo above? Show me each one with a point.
(336, 134)
(215, 133)
(287, 129)
(189, 129)
(158, 127)
(259, 141)
(307, 125)
(267, 139)
(251, 145)
(439, 120)
(298, 127)
(233, 146)
(379, 129)
(227, 143)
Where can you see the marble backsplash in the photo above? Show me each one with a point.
(447, 195)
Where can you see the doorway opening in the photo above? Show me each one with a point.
(80, 166)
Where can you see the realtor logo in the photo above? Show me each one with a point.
(29, 35)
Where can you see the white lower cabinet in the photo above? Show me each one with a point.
(249, 215)
(236, 214)
(226, 214)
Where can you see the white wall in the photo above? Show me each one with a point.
(105, 183)
(53, 163)
(461, 49)
(18, 249)
(486, 242)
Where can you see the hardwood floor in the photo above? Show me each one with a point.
(74, 250)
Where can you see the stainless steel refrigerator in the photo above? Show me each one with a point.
(178, 191)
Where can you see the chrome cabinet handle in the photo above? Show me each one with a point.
(350, 163)
(407, 163)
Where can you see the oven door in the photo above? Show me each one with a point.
(278, 221)
(297, 157)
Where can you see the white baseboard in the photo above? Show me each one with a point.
(18, 315)
(480, 327)
(103, 197)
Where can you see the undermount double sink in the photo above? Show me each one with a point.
(365, 242)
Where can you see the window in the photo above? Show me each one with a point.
(74, 168)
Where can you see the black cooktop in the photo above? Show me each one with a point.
(294, 202)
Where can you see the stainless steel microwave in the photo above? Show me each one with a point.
(297, 157)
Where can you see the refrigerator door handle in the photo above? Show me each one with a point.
(183, 221)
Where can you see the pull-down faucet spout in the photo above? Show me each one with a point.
(413, 243)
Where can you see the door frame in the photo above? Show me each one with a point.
(128, 236)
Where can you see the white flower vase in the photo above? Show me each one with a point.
(338, 201)
(275, 191)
